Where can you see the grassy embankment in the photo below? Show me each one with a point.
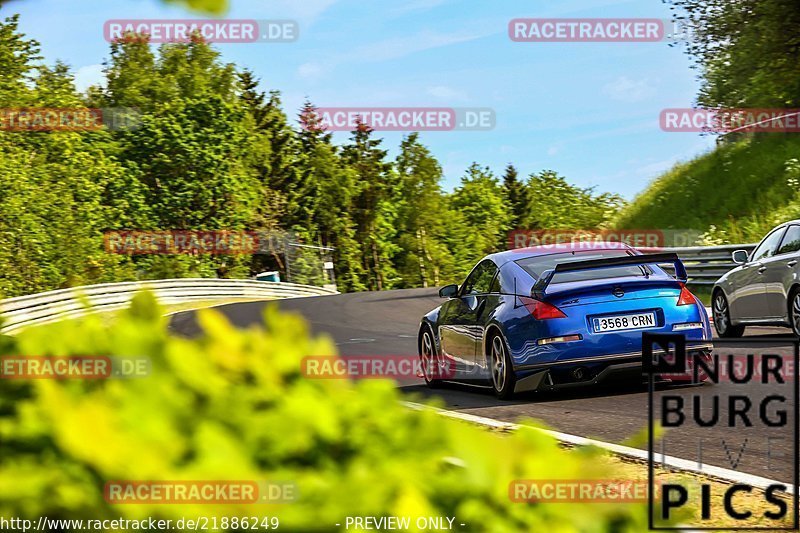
(734, 193)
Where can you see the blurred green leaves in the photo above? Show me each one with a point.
(216, 7)
(233, 405)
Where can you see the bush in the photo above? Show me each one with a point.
(233, 405)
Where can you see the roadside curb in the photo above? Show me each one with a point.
(716, 472)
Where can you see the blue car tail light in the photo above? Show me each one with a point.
(542, 310)
(686, 297)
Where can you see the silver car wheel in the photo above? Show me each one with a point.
(720, 312)
(796, 313)
(498, 364)
(429, 358)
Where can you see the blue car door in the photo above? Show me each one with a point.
(461, 319)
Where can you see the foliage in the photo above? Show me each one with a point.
(423, 258)
(211, 150)
(555, 204)
(742, 189)
(748, 51)
(515, 195)
(480, 217)
(233, 405)
(748, 54)
(374, 186)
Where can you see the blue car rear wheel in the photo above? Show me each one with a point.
(429, 357)
(500, 367)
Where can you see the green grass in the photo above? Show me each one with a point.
(742, 189)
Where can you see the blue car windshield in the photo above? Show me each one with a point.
(538, 264)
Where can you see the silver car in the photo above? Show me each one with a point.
(764, 289)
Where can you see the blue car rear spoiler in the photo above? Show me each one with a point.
(538, 290)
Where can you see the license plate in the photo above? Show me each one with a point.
(623, 322)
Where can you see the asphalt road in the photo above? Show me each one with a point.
(386, 323)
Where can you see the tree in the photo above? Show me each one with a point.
(423, 258)
(748, 51)
(192, 152)
(213, 151)
(52, 184)
(336, 187)
(374, 186)
(287, 160)
(480, 218)
(130, 77)
(202, 183)
(515, 193)
(18, 57)
(555, 204)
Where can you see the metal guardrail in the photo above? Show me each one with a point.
(36, 309)
(704, 264)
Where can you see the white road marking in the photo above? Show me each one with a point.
(357, 340)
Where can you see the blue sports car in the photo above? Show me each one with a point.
(556, 316)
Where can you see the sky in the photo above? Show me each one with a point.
(587, 110)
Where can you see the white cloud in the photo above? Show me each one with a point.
(397, 47)
(628, 90)
(89, 75)
(310, 71)
(394, 48)
(507, 149)
(449, 94)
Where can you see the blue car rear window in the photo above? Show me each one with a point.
(538, 264)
